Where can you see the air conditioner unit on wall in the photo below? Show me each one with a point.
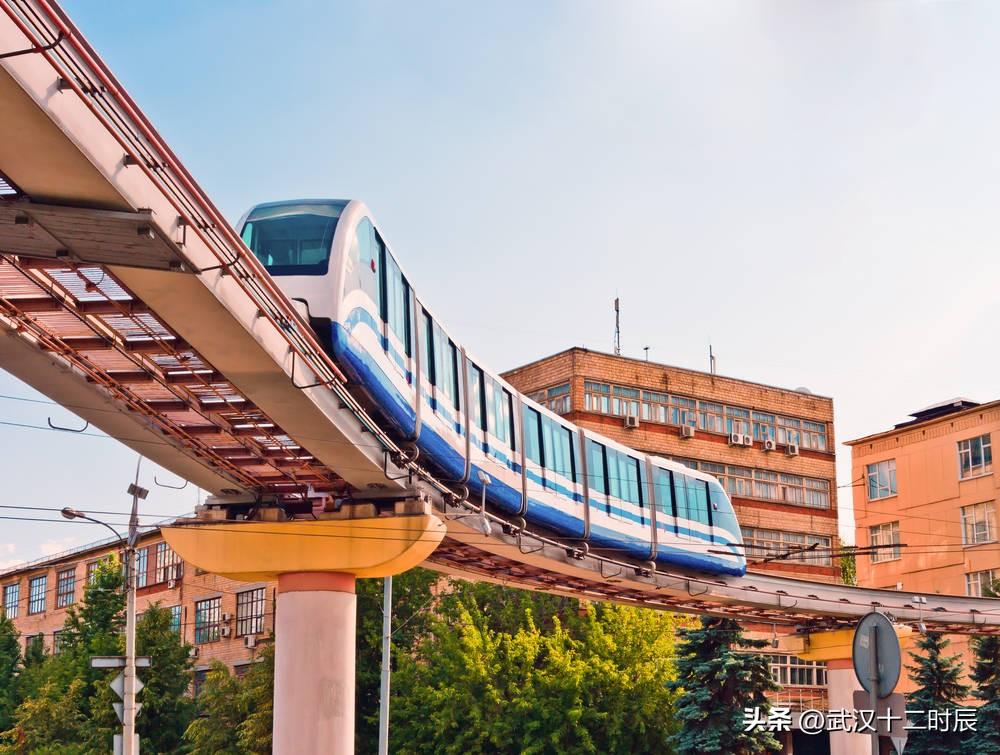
(770, 445)
(227, 616)
(736, 439)
(250, 641)
(171, 584)
(687, 431)
(193, 652)
(747, 440)
(224, 631)
(792, 449)
(631, 421)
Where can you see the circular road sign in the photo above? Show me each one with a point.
(875, 634)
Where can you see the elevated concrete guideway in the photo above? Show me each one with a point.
(178, 343)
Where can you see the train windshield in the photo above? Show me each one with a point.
(293, 238)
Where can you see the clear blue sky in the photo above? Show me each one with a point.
(810, 186)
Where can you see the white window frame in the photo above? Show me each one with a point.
(965, 451)
(877, 535)
(974, 581)
(873, 472)
(979, 517)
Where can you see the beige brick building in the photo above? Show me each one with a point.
(222, 619)
(780, 474)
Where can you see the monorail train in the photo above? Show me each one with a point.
(470, 425)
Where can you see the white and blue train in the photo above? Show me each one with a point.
(331, 258)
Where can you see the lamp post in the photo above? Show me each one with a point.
(128, 546)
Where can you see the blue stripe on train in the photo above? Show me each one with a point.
(362, 368)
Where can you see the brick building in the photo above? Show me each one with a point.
(925, 492)
(772, 448)
(222, 619)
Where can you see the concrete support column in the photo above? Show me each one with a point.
(841, 683)
(315, 622)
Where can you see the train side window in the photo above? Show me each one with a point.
(397, 302)
(681, 495)
(663, 489)
(703, 511)
(597, 469)
(557, 445)
(475, 401)
(427, 364)
(453, 376)
(365, 267)
(532, 435)
(508, 410)
(498, 403)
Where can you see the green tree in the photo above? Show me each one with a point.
(167, 709)
(50, 722)
(937, 678)
(235, 713)
(10, 667)
(411, 602)
(257, 701)
(986, 677)
(508, 671)
(849, 568)
(717, 680)
(221, 711)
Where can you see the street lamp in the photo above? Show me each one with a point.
(128, 548)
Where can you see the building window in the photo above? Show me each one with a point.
(979, 523)
(814, 435)
(789, 431)
(763, 426)
(175, 618)
(710, 417)
(65, 587)
(36, 594)
(655, 406)
(199, 681)
(597, 397)
(787, 670)
(250, 612)
(11, 600)
(881, 479)
(738, 420)
(57, 642)
(625, 401)
(34, 642)
(683, 411)
(168, 564)
(207, 614)
(141, 567)
(975, 456)
(557, 399)
(885, 535)
(92, 568)
(977, 583)
(791, 546)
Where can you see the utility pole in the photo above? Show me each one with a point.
(618, 328)
(129, 744)
(383, 704)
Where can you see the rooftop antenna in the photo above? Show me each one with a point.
(618, 328)
(711, 360)
(646, 349)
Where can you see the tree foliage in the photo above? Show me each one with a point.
(507, 671)
(938, 687)
(234, 713)
(167, 709)
(10, 666)
(716, 680)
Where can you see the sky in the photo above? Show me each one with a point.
(810, 187)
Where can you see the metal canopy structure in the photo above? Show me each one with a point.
(126, 297)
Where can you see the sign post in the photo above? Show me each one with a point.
(877, 661)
